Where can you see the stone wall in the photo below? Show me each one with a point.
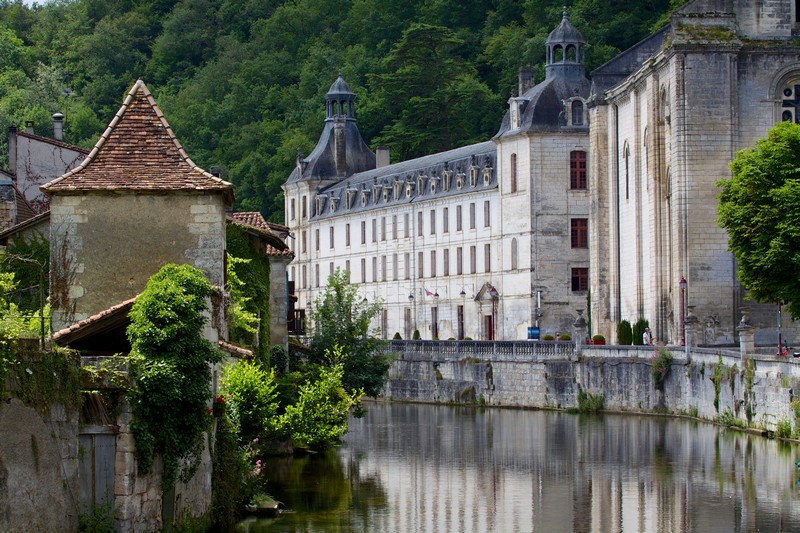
(38, 468)
(550, 375)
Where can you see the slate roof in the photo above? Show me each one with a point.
(138, 152)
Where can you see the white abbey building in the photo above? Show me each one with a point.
(488, 240)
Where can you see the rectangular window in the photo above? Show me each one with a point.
(407, 262)
(446, 220)
(577, 170)
(513, 173)
(420, 265)
(487, 257)
(395, 265)
(459, 260)
(383, 228)
(435, 323)
(433, 222)
(486, 214)
(383, 268)
(433, 263)
(330, 268)
(419, 224)
(374, 230)
(303, 208)
(579, 232)
(363, 270)
(347, 235)
(292, 209)
(394, 227)
(460, 321)
(331, 232)
(407, 322)
(347, 269)
(407, 229)
(458, 218)
(303, 243)
(472, 215)
(316, 239)
(374, 269)
(384, 323)
(446, 262)
(305, 277)
(580, 279)
(363, 232)
(316, 275)
(473, 260)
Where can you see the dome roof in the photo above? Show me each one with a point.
(565, 33)
(340, 86)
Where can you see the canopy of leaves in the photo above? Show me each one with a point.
(760, 209)
(169, 365)
(341, 318)
(251, 399)
(242, 82)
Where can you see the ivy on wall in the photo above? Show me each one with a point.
(254, 274)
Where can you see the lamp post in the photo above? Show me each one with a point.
(682, 283)
(494, 296)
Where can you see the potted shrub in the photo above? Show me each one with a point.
(548, 337)
(565, 337)
(598, 339)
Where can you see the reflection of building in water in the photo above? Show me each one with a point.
(546, 472)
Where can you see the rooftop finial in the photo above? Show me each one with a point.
(564, 13)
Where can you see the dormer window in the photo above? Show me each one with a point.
(460, 181)
(487, 176)
(375, 194)
(433, 185)
(332, 205)
(363, 198)
(398, 186)
(421, 184)
(473, 176)
(446, 177)
(577, 113)
(349, 198)
(409, 189)
(319, 205)
(386, 194)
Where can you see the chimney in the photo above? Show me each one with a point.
(215, 171)
(381, 156)
(526, 80)
(12, 150)
(339, 147)
(29, 127)
(58, 126)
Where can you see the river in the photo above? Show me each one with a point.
(411, 468)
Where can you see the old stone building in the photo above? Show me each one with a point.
(482, 241)
(667, 117)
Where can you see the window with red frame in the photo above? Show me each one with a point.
(577, 170)
(579, 232)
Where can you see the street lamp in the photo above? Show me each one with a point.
(682, 284)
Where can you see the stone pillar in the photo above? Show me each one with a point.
(747, 342)
(580, 327)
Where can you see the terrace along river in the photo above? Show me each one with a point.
(431, 468)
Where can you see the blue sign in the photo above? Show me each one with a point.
(533, 334)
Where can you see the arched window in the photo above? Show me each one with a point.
(577, 113)
(790, 101)
(558, 54)
(514, 254)
(513, 173)
(572, 54)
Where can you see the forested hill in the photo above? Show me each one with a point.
(242, 82)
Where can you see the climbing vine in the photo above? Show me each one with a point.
(716, 379)
(253, 273)
(169, 365)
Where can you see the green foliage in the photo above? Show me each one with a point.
(716, 379)
(728, 418)
(319, 417)
(99, 519)
(598, 338)
(416, 336)
(248, 281)
(783, 430)
(624, 333)
(638, 331)
(27, 260)
(760, 210)
(341, 318)
(397, 336)
(251, 398)
(548, 337)
(590, 403)
(565, 337)
(228, 493)
(169, 365)
(661, 365)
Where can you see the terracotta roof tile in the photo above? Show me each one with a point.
(255, 223)
(236, 351)
(138, 152)
(272, 251)
(251, 218)
(66, 334)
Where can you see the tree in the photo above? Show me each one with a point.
(341, 318)
(760, 209)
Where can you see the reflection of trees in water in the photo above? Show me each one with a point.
(322, 489)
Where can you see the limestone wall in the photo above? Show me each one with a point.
(550, 375)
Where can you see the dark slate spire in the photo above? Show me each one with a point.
(340, 101)
(565, 50)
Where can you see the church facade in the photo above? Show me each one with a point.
(667, 117)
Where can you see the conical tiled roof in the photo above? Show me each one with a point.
(138, 152)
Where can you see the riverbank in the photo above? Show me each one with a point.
(757, 392)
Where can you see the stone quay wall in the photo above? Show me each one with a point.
(758, 389)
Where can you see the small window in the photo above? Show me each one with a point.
(577, 113)
(579, 232)
(580, 279)
(419, 224)
(291, 210)
(446, 220)
(331, 232)
(433, 222)
(433, 263)
(316, 240)
(487, 257)
(407, 263)
(458, 218)
(395, 268)
(472, 215)
(385, 195)
(487, 213)
(374, 230)
(577, 170)
(459, 260)
(363, 232)
(446, 262)
(420, 265)
(408, 190)
(473, 176)
(407, 228)
(383, 228)
(347, 235)
(374, 269)
(303, 208)
(363, 199)
(303, 242)
(460, 182)
(513, 173)
(363, 270)
(473, 260)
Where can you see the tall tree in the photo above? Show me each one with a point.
(760, 208)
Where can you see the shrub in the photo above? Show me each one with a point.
(590, 403)
(784, 429)
(548, 337)
(662, 363)
(638, 331)
(251, 398)
(624, 333)
(416, 336)
(565, 337)
(598, 338)
(397, 336)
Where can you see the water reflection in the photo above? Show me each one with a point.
(413, 468)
